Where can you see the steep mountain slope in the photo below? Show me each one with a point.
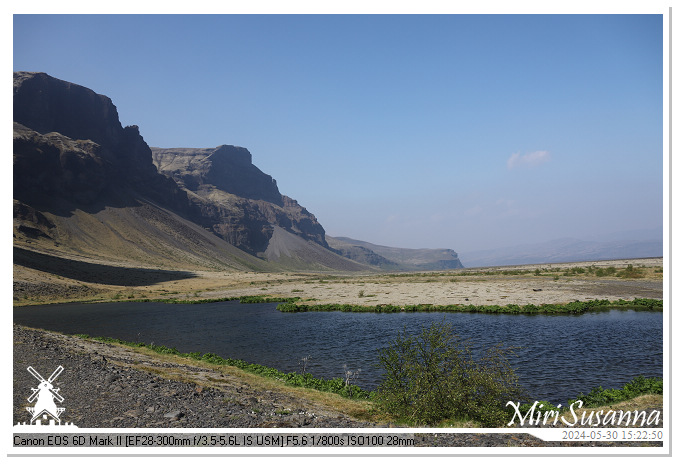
(145, 234)
(86, 189)
(393, 258)
(243, 205)
(237, 201)
(293, 252)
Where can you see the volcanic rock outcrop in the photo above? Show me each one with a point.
(237, 200)
(70, 150)
(88, 185)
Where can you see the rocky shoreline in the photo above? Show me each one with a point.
(111, 386)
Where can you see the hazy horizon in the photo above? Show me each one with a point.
(651, 234)
(468, 132)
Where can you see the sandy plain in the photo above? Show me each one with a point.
(525, 284)
(480, 286)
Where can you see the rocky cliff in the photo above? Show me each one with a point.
(86, 184)
(237, 200)
(90, 187)
(86, 188)
(69, 147)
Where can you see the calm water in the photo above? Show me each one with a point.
(560, 356)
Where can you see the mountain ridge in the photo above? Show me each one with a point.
(85, 186)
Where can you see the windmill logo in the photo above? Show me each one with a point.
(45, 408)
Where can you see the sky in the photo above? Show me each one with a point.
(468, 132)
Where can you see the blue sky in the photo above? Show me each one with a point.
(459, 131)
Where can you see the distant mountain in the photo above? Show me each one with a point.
(291, 251)
(568, 250)
(393, 258)
(87, 188)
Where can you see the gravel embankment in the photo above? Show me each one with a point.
(109, 386)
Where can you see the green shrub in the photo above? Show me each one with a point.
(609, 271)
(636, 387)
(630, 272)
(433, 377)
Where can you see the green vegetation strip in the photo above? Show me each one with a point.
(575, 307)
(638, 386)
(336, 385)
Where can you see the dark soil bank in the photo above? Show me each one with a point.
(109, 386)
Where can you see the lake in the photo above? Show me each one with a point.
(559, 356)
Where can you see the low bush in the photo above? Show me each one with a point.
(433, 377)
(630, 272)
(604, 272)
